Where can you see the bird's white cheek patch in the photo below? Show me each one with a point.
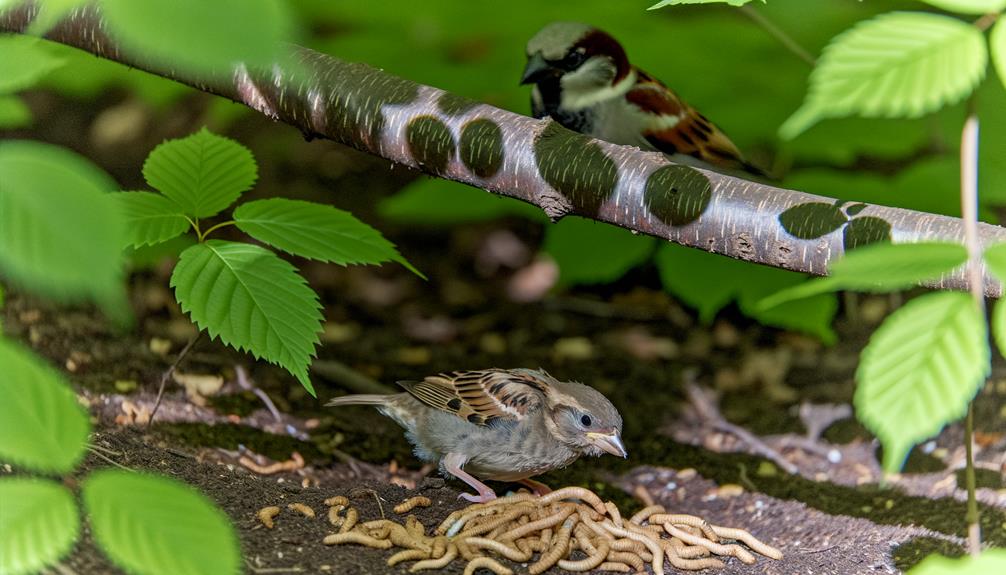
(579, 92)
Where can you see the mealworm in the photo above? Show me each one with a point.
(356, 537)
(302, 509)
(449, 555)
(266, 514)
(407, 555)
(411, 503)
(486, 563)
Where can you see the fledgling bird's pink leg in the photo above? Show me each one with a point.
(536, 487)
(452, 463)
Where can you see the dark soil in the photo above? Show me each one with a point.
(629, 340)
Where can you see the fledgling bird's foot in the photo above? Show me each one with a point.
(536, 487)
(452, 464)
(482, 497)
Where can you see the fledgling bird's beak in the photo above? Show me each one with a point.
(536, 69)
(611, 443)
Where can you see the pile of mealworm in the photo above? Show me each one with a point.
(571, 528)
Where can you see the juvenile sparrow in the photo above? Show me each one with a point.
(584, 81)
(502, 424)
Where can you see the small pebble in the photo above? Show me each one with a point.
(159, 346)
(729, 490)
(125, 385)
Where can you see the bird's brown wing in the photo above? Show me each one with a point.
(484, 396)
(693, 134)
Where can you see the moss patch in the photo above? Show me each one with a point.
(910, 553)
(278, 447)
(880, 505)
(454, 105)
(482, 147)
(575, 167)
(430, 143)
(356, 95)
(677, 195)
(984, 479)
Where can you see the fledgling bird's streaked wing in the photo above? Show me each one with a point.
(484, 396)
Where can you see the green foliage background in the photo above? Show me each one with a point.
(716, 56)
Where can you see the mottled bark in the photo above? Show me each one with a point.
(542, 163)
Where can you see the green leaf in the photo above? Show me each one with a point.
(149, 257)
(203, 173)
(900, 64)
(920, 370)
(13, 113)
(150, 218)
(252, 300)
(997, 43)
(59, 230)
(591, 252)
(998, 322)
(810, 288)
(704, 281)
(812, 315)
(24, 62)
(152, 525)
(891, 267)
(969, 6)
(42, 428)
(879, 267)
(990, 561)
(38, 524)
(709, 282)
(50, 13)
(199, 36)
(437, 202)
(995, 259)
(316, 231)
(663, 3)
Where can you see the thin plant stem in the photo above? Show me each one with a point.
(202, 236)
(974, 527)
(167, 373)
(106, 458)
(776, 32)
(969, 213)
(193, 223)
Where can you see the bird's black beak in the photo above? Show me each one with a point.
(536, 69)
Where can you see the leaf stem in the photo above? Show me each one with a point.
(776, 32)
(194, 224)
(202, 236)
(969, 213)
(986, 21)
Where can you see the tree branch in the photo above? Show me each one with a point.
(539, 162)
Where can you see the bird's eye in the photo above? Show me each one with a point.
(585, 420)
(574, 59)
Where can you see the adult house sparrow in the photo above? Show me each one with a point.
(584, 81)
(502, 424)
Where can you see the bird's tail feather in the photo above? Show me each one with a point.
(359, 399)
